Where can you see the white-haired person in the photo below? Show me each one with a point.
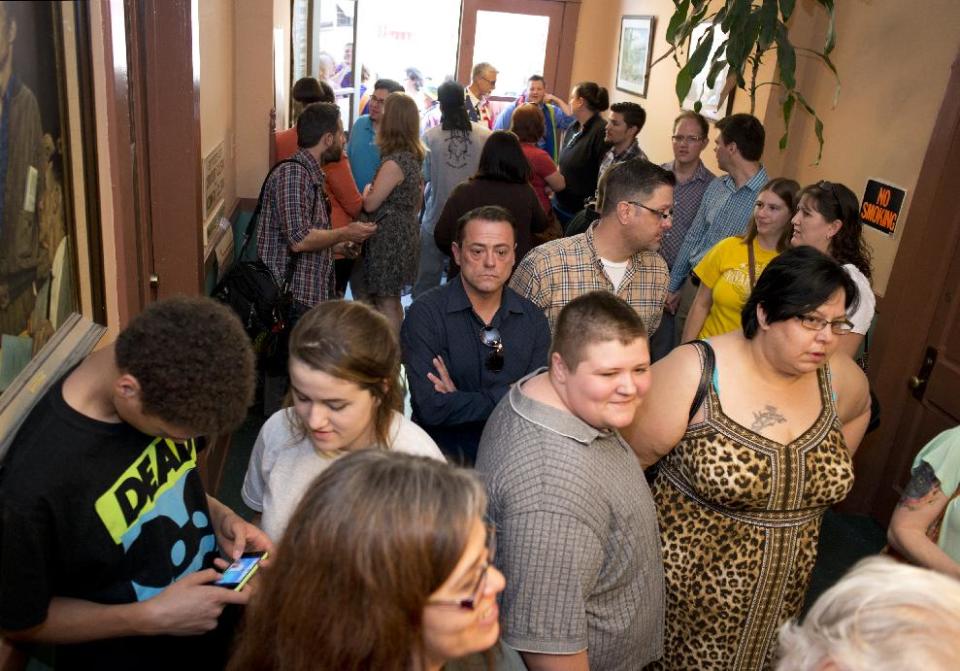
(881, 616)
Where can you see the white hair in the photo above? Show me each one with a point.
(882, 616)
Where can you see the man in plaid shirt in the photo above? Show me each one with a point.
(617, 254)
(294, 224)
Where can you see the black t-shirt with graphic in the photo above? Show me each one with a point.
(101, 512)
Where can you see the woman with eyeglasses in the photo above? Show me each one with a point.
(754, 431)
(729, 271)
(828, 219)
(345, 395)
(386, 565)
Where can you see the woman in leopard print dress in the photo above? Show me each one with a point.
(755, 430)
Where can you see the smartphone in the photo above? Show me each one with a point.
(239, 572)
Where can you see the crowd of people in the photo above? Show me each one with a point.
(636, 388)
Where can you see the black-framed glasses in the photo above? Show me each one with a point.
(689, 139)
(663, 214)
(814, 323)
(491, 82)
(470, 603)
(376, 100)
(490, 337)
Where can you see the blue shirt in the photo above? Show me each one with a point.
(363, 154)
(724, 212)
(442, 322)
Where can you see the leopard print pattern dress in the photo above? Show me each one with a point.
(739, 521)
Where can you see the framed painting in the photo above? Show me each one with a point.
(633, 59)
(712, 104)
(50, 247)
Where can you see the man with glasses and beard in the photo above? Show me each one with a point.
(617, 254)
(465, 343)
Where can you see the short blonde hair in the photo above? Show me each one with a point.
(882, 616)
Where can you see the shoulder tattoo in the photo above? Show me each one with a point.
(922, 483)
(766, 417)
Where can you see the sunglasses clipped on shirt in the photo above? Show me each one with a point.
(490, 337)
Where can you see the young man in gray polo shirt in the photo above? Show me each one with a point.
(576, 525)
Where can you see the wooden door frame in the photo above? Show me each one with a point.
(558, 82)
(153, 120)
(923, 260)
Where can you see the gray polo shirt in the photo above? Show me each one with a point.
(577, 536)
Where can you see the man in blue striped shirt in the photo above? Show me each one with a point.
(726, 206)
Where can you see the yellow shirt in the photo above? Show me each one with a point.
(725, 270)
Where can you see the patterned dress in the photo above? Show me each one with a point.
(739, 519)
(392, 254)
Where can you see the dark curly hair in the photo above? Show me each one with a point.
(193, 362)
(837, 202)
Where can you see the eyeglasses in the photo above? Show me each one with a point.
(687, 139)
(490, 337)
(471, 602)
(663, 214)
(839, 327)
(491, 82)
(377, 101)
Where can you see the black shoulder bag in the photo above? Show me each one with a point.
(251, 290)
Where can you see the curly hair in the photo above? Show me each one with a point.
(350, 341)
(400, 127)
(836, 202)
(373, 537)
(193, 362)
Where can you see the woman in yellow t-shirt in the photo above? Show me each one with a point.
(728, 271)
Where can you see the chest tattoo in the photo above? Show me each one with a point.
(766, 417)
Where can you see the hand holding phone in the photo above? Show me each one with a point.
(239, 572)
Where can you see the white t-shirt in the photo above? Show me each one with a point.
(862, 317)
(615, 271)
(282, 467)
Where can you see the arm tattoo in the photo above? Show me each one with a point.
(766, 417)
(922, 483)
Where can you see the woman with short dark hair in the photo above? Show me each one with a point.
(754, 431)
(828, 219)
(502, 179)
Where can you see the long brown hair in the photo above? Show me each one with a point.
(400, 127)
(375, 535)
(350, 341)
(788, 191)
(837, 202)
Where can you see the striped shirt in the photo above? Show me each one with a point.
(555, 273)
(294, 203)
(724, 212)
(686, 201)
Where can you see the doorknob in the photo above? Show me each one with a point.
(918, 382)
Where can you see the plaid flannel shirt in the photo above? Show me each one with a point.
(686, 201)
(555, 273)
(294, 204)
